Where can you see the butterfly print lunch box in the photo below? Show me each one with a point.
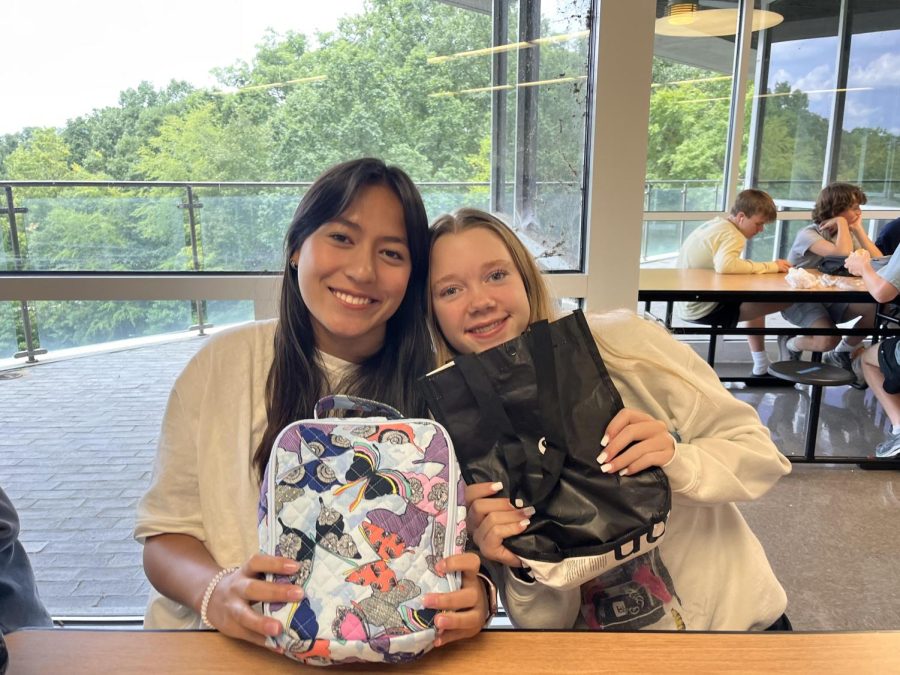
(367, 506)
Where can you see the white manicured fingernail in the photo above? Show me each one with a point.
(496, 487)
(524, 523)
(528, 510)
(605, 468)
(604, 441)
(623, 472)
(601, 458)
(519, 503)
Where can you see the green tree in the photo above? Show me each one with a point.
(44, 155)
(108, 140)
(202, 145)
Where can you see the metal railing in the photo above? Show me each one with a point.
(37, 211)
(204, 261)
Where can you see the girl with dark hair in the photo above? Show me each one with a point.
(351, 321)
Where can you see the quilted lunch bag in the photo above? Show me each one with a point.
(367, 505)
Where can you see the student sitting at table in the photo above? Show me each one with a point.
(717, 245)
(709, 571)
(888, 238)
(836, 230)
(881, 362)
(350, 321)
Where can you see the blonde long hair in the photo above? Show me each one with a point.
(540, 300)
(461, 220)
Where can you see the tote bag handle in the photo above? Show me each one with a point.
(495, 425)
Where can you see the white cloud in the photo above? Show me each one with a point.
(820, 77)
(858, 114)
(884, 71)
(780, 75)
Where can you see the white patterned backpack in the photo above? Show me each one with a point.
(367, 505)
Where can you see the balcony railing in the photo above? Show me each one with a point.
(149, 257)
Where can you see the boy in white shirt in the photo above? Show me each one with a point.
(717, 245)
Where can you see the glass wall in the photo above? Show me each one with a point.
(870, 133)
(688, 133)
(820, 105)
(482, 108)
(795, 105)
(193, 161)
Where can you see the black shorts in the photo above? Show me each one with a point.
(887, 361)
(725, 315)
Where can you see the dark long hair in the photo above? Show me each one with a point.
(296, 381)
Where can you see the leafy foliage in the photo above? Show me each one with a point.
(371, 87)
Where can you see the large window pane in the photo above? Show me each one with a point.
(870, 138)
(76, 323)
(412, 81)
(796, 105)
(102, 229)
(689, 109)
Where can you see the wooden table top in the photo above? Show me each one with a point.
(707, 280)
(497, 652)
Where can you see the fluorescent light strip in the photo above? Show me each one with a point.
(269, 85)
(505, 87)
(563, 37)
(480, 52)
(694, 81)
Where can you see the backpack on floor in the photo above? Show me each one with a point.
(367, 505)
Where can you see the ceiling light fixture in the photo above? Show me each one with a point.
(689, 19)
(681, 13)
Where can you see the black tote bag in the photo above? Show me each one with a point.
(530, 413)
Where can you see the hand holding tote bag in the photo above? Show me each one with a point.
(530, 413)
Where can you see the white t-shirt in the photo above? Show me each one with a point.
(710, 571)
(204, 483)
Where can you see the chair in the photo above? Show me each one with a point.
(817, 375)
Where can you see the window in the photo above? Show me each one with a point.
(191, 158)
(819, 105)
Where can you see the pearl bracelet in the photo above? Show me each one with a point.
(221, 574)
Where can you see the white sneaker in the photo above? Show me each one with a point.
(785, 353)
(889, 448)
(759, 371)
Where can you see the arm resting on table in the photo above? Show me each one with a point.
(179, 567)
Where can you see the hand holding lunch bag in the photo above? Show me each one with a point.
(530, 413)
(367, 505)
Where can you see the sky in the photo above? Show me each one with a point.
(64, 58)
(874, 71)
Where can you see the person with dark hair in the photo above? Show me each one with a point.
(351, 321)
(836, 230)
(717, 245)
(888, 238)
(20, 604)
